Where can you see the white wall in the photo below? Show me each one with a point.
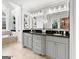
(72, 43)
(17, 13)
(7, 20)
(23, 12)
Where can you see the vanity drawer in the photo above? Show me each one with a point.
(57, 39)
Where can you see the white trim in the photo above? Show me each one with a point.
(72, 30)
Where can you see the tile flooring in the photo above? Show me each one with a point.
(18, 52)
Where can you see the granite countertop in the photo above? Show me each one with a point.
(13, 30)
(47, 34)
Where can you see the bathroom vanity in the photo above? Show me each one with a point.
(27, 39)
(57, 47)
(54, 46)
(39, 42)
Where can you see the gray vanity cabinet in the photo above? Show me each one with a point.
(62, 51)
(39, 44)
(27, 40)
(50, 52)
(25, 43)
(57, 47)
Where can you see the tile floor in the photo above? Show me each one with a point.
(17, 52)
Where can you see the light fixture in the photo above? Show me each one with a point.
(65, 7)
(50, 11)
(59, 8)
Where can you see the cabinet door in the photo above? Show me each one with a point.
(43, 42)
(25, 40)
(30, 42)
(50, 49)
(67, 52)
(39, 44)
(61, 51)
(34, 42)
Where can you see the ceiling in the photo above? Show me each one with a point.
(28, 4)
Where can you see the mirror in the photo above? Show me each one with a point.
(55, 24)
